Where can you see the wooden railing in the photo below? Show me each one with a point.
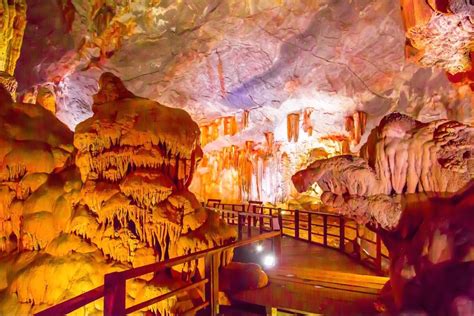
(321, 228)
(260, 223)
(114, 289)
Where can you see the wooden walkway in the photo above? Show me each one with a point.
(318, 280)
(314, 275)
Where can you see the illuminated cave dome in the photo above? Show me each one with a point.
(270, 83)
(120, 118)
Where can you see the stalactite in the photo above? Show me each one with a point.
(307, 123)
(205, 139)
(355, 125)
(293, 127)
(270, 138)
(245, 119)
(230, 125)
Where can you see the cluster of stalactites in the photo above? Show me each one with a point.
(114, 164)
(220, 127)
(410, 157)
(402, 155)
(118, 227)
(239, 173)
(355, 125)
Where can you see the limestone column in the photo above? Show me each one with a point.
(12, 28)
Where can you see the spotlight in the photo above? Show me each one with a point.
(269, 261)
(259, 248)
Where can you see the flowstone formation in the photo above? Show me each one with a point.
(401, 156)
(137, 158)
(403, 185)
(12, 27)
(116, 201)
(39, 262)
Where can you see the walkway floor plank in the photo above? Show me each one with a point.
(311, 278)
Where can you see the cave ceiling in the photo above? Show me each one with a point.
(218, 58)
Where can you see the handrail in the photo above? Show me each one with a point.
(241, 213)
(157, 266)
(74, 303)
(114, 287)
(163, 297)
(300, 224)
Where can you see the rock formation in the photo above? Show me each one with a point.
(136, 159)
(12, 27)
(402, 185)
(401, 156)
(440, 33)
(126, 204)
(432, 258)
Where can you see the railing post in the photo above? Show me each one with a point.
(325, 230)
(233, 210)
(249, 228)
(254, 210)
(341, 233)
(310, 230)
(239, 226)
(280, 221)
(212, 287)
(114, 294)
(378, 254)
(297, 224)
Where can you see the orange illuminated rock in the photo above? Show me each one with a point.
(132, 207)
(439, 33)
(13, 23)
(46, 99)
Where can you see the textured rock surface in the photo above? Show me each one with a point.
(125, 204)
(292, 51)
(12, 27)
(401, 156)
(256, 63)
(440, 33)
(431, 252)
